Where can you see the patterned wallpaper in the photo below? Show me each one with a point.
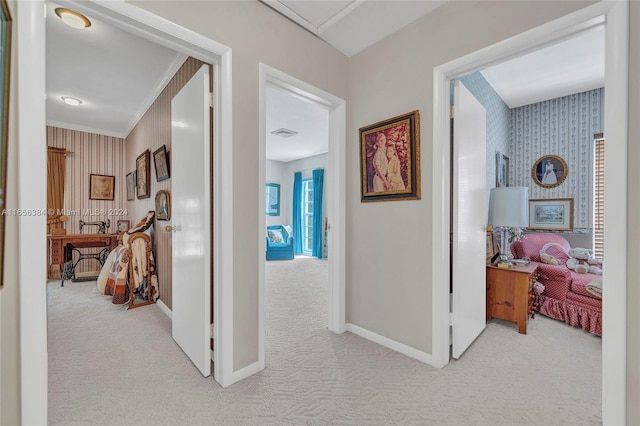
(92, 154)
(565, 127)
(498, 121)
(152, 131)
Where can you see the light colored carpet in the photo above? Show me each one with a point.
(117, 367)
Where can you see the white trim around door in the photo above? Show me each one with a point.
(615, 17)
(31, 94)
(335, 178)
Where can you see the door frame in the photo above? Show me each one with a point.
(615, 18)
(335, 178)
(31, 66)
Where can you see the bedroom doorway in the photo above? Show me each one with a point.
(332, 180)
(615, 18)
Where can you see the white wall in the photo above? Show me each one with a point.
(633, 215)
(389, 243)
(256, 33)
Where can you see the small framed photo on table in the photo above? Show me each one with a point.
(122, 226)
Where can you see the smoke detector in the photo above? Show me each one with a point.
(285, 133)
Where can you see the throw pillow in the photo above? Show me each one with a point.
(275, 236)
(556, 252)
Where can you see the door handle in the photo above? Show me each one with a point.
(170, 228)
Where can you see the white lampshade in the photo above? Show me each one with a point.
(509, 206)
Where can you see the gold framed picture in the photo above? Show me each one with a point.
(390, 159)
(101, 187)
(549, 171)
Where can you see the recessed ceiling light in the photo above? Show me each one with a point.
(285, 133)
(71, 101)
(73, 19)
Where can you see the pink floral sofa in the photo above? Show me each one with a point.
(565, 296)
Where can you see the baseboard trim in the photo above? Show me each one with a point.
(392, 344)
(164, 309)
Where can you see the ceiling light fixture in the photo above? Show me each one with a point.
(73, 19)
(71, 101)
(285, 133)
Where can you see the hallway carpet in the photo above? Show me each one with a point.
(110, 366)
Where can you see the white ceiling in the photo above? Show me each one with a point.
(353, 25)
(118, 75)
(115, 74)
(573, 66)
(294, 112)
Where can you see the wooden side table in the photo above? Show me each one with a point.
(510, 293)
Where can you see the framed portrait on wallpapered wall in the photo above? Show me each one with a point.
(390, 159)
(502, 170)
(143, 184)
(161, 161)
(549, 171)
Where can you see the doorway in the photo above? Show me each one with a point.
(615, 17)
(334, 191)
(32, 69)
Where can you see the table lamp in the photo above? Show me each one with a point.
(508, 208)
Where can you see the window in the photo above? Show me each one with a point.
(598, 196)
(307, 216)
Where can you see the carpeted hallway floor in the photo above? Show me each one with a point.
(116, 367)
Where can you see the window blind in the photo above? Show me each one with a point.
(598, 202)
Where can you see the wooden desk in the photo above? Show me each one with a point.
(61, 246)
(510, 293)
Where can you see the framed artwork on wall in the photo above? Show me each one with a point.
(101, 187)
(549, 171)
(390, 159)
(161, 161)
(502, 170)
(143, 183)
(272, 195)
(163, 205)
(131, 186)
(551, 214)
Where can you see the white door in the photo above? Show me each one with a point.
(190, 216)
(469, 219)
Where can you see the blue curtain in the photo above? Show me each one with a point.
(318, 183)
(297, 212)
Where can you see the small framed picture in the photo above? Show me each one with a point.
(551, 214)
(161, 160)
(163, 205)
(490, 246)
(272, 202)
(101, 187)
(122, 226)
(143, 183)
(502, 170)
(131, 186)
